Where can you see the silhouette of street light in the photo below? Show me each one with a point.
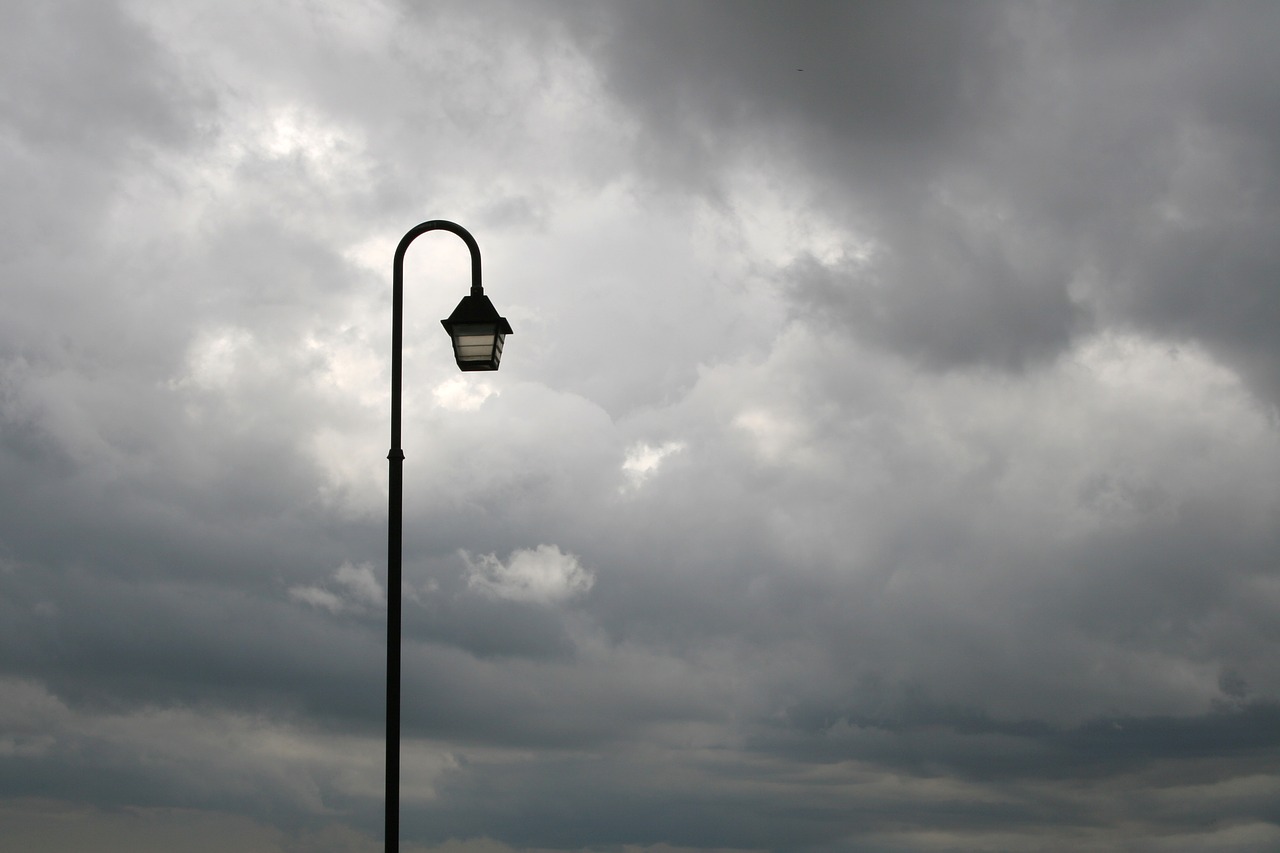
(478, 334)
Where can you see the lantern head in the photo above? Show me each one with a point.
(477, 332)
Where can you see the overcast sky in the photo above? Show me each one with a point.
(886, 457)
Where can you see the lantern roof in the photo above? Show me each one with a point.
(476, 309)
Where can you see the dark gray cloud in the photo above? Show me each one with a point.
(885, 458)
(890, 103)
(871, 89)
(996, 159)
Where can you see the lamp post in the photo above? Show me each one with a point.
(478, 334)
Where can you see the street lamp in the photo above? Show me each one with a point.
(478, 334)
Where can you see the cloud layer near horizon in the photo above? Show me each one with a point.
(886, 456)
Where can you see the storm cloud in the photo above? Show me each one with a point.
(885, 458)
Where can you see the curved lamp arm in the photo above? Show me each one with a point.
(397, 304)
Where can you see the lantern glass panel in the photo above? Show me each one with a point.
(478, 346)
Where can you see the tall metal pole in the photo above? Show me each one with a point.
(395, 514)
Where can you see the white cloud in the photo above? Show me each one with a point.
(317, 597)
(544, 575)
(216, 357)
(463, 394)
(361, 583)
(776, 437)
(358, 589)
(643, 460)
